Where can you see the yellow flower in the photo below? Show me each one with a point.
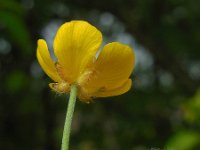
(75, 46)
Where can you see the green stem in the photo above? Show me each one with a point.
(68, 120)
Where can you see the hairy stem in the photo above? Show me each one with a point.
(68, 120)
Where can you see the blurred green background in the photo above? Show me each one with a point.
(161, 111)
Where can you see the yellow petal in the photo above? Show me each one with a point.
(86, 94)
(75, 46)
(117, 91)
(112, 68)
(46, 61)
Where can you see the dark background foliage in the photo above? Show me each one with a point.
(161, 111)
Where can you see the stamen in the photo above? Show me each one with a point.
(84, 96)
(62, 87)
(61, 72)
(86, 77)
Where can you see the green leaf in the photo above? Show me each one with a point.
(11, 6)
(184, 140)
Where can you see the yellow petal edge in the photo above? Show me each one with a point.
(46, 61)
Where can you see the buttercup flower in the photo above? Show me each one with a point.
(75, 46)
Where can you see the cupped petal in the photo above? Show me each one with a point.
(75, 46)
(112, 68)
(117, 91)
(86, 94)
(46, 61)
